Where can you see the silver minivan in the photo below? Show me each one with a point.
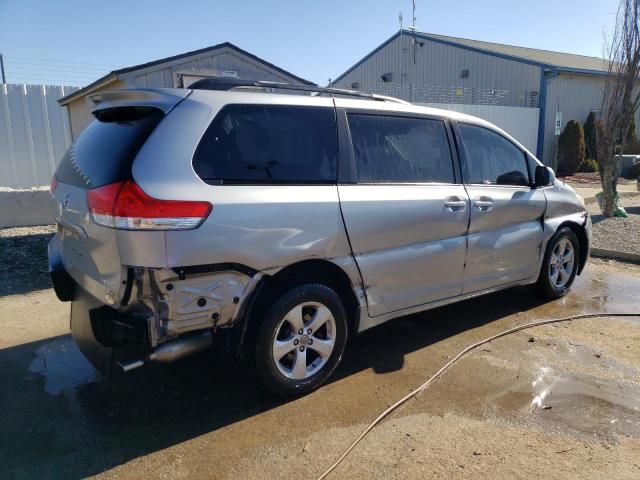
(273, 226)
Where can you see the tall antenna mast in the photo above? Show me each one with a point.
(413, 28)
(400, 47)
(414, 15)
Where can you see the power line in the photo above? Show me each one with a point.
(61, 61)
(52, 67)
(53, 74)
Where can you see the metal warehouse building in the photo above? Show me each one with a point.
(522, 90)
(223, 60)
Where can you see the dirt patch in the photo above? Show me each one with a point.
(452, 446)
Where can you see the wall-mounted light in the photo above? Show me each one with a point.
(464, 73)
(355, 85)
(387, 77)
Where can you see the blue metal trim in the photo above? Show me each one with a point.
(581, 71)
(542, 101)
(366, 57)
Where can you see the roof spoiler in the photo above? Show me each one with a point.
(160, 98)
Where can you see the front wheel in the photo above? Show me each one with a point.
(301, 340)
(560, 264)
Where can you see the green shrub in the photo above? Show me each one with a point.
(588, 165)
(571, 148)
(632, 146)
(590, 138)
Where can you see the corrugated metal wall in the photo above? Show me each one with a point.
(223, 61)
(34, 133)
(437, 75)
(573, 95)
(519, 122)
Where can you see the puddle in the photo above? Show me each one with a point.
(586, 407)
(612, 292)
(62, 365)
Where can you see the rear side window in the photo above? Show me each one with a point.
(390, 149)
(263, 144)
(491, 159)
(105, 151)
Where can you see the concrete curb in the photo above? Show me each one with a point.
(590, 200)
(22, 208)
(624, 256)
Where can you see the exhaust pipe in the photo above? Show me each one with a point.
(174, 350)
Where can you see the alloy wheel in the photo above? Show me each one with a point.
(304, 341)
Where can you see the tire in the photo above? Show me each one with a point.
(320, 309)
(556, 278)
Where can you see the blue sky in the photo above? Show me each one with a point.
(73, 42)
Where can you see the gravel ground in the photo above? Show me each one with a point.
(23, 256)
(620, 234)
(592, 178)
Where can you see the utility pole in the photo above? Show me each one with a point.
(4, 80)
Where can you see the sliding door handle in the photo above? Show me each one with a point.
(483, 205)
(455, 204)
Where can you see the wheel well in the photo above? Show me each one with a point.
(308, 271)
(583, 242)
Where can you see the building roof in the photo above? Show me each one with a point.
(111, 76)
(546, 57)
(559, 61)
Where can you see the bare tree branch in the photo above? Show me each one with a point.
(620, 96)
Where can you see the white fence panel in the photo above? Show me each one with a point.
(34, 133)
(519, 122)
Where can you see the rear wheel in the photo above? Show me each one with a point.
(301, 340)
(560, 264)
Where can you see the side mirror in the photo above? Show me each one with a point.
(544, 176)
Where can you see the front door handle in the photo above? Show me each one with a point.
(455, 204)
(483, 205)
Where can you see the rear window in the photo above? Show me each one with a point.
(105, 151)
(269, 144)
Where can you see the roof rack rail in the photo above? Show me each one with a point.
(225, 84)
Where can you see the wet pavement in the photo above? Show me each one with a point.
(202, 417)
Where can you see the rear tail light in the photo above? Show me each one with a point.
(123, 205)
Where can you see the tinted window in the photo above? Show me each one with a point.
(105, 151)
(491, 159)
(400, 149)
(269, 144)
